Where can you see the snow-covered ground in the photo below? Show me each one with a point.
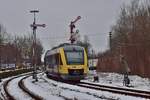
(1, 88)
(18, 94)
(56, 90)
(114, 79)
(50, 89)
(15, 88)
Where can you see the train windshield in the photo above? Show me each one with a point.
(74, 57)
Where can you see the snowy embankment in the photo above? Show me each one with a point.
(114, 79)
(50, 89)
(14, 88)
(47, 89)
(16, 91)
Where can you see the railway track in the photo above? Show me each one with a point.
(8, 95)
(75, 90)
(119, 90)
(125, 91)
(21, 85)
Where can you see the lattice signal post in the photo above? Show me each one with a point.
(34, 27)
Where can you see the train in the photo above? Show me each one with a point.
(67, 62)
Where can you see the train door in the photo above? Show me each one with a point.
(60, 62)
(57, 63)
(48, 64)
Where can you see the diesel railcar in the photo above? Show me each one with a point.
(66, 61)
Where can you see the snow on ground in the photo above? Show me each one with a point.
(16, 91)
(115, 79)
(48, 88)
(1, 88)
(40, 88)
(2, 93)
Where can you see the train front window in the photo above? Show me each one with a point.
(74, 57)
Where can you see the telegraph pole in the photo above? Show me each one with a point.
(92, 57)
(110, 40)
(34, 27)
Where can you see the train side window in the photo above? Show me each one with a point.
(50, 60)
(58, 59)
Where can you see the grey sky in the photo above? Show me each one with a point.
(97, 18)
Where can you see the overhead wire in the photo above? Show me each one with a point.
(63, 37)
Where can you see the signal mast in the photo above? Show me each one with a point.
(72, 33)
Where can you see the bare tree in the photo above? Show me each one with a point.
(85, 43)
(3, 34)
(24, 45)
(131, 37)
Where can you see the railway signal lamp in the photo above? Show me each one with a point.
(72, 26)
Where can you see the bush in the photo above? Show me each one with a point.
(14, 72)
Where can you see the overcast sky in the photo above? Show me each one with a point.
(97, 17)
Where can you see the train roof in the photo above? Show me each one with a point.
(66, 46)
